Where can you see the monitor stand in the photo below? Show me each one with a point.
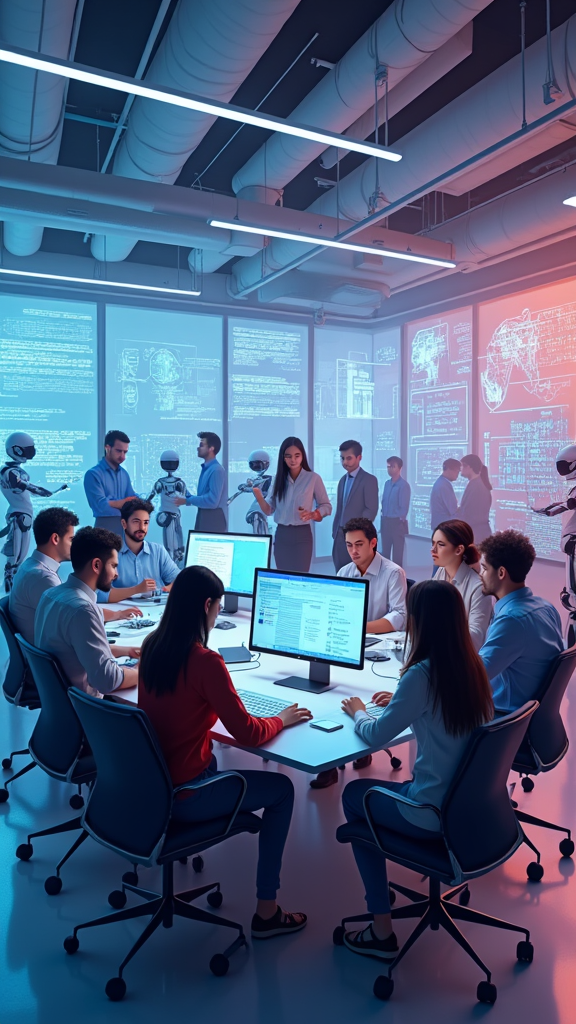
(230, 604)
(318, 681)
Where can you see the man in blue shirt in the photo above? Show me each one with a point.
(395, 505)
(211, 499)
(107, 485)
(143, 565)
(443, 501)
(525, 635)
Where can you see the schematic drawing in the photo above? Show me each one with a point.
(165, 374)
(529, 343)
(429, 347)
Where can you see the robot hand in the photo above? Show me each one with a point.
(42, 492)
(556, 508)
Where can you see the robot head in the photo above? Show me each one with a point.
(566, 462)
(259, 461)
(20, 447)
(169, 461)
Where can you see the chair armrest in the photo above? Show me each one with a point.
(401, 799)
(212, 781)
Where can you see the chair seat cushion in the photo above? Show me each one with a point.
(426, 855)
(184, 838)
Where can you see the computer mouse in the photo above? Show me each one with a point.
(377, 656)
(225, 625)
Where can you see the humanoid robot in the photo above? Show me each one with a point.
(259, 462)
(566, 467)
(16, 488)
(169, 517)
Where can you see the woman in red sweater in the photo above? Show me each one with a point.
(184, 689)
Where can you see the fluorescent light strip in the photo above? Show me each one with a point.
(330, 243)
(100, 281)
(570, 202)
(121, 83)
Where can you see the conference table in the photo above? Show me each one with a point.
(301, 746)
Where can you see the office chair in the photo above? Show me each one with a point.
(18, 687)
(409, 583)
(129, 811)
(478, 832)
(543, 747)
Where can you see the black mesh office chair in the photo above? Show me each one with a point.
(128, 811)
(18, 686)
(479, 831)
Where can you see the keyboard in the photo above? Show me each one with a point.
(374, 709)
(260, 706)
(139, 624)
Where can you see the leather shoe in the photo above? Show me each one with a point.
(325, 779)
(362, 762)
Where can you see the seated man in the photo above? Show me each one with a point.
(386, 601)
(143, 565)
(525, 635)
(69, 625)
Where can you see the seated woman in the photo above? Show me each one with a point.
(184, 689)
(443, 695)
(454, 554)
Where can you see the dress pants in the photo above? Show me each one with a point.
(111, 523)
(340, 555)
(293, 547)
(212, 520)
(393, 533)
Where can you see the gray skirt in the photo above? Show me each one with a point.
(293, 547)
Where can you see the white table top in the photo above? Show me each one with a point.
(300, 746)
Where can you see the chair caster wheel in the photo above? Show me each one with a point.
(566, 847)
(24, 851)
(71, 944)
(525, 952)
(214, 899)
(219, 965)
(383, 988)
(4, 794)
(527, 784)
(464, 897)
(117, 899)
(130, 878)
(395, 763)
(338, 936)
(6, 763)
(535, 871)
(486, 992)
(76, 802)
(53, 885)
(198, 864)
(116, 989)
(182, 860)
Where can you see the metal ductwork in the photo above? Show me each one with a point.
(31, 102)
(479, 118)
(209, 48)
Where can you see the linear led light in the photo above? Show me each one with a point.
(570, 202)
(331, 243)
(100, 281)
(109, 80)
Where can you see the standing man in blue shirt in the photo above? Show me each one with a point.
(443, 501)
(525, 635)
(395, 505)
(357, 498)
(211, 498)
(107, 485)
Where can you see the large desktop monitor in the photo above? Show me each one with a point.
(320, 619)
(234, 557)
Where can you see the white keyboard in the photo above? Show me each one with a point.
(259, 706)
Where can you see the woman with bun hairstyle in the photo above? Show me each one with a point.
(477, 498)
(454, 554)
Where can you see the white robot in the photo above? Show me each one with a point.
(16, 488)
(259, 462)
(566, 467)
(169, 518)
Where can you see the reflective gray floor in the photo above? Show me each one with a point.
(303, 978)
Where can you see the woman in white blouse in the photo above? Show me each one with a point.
(298, 497)
(454, 554)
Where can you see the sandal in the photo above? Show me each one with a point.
(279, 924)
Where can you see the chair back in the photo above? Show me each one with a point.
(16, 685)
(130, 802)
(57, 740)
(479, 822)
(546, 737)
(409, 583)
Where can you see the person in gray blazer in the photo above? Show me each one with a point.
(357, 498)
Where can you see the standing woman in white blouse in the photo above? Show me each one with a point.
(298, 497)
(454, 553)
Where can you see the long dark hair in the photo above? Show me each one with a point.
(437, 630)
(477, 466)
(165, 652)
(458, 532)
(282, 471)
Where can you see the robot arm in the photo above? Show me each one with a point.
(556, 508)
(18, 483)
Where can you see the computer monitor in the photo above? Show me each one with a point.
(233, 557)
(320, 619)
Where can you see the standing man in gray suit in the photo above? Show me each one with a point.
(357, 497)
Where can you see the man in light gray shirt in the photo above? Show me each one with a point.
(53, 533)
(69, 625)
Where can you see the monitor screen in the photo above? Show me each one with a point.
(232, 556)
(320, 618)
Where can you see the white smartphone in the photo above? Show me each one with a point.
(326, 726)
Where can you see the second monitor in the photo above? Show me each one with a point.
(234, 557)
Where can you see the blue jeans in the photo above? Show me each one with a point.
(370, 860)
(272, 792)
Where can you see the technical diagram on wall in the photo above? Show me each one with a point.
(527, 405)
(439, 372)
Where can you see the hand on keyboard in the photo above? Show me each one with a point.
(382, 698)
(259, 706)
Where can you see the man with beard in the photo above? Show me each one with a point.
(69, 626)
(143, 565)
